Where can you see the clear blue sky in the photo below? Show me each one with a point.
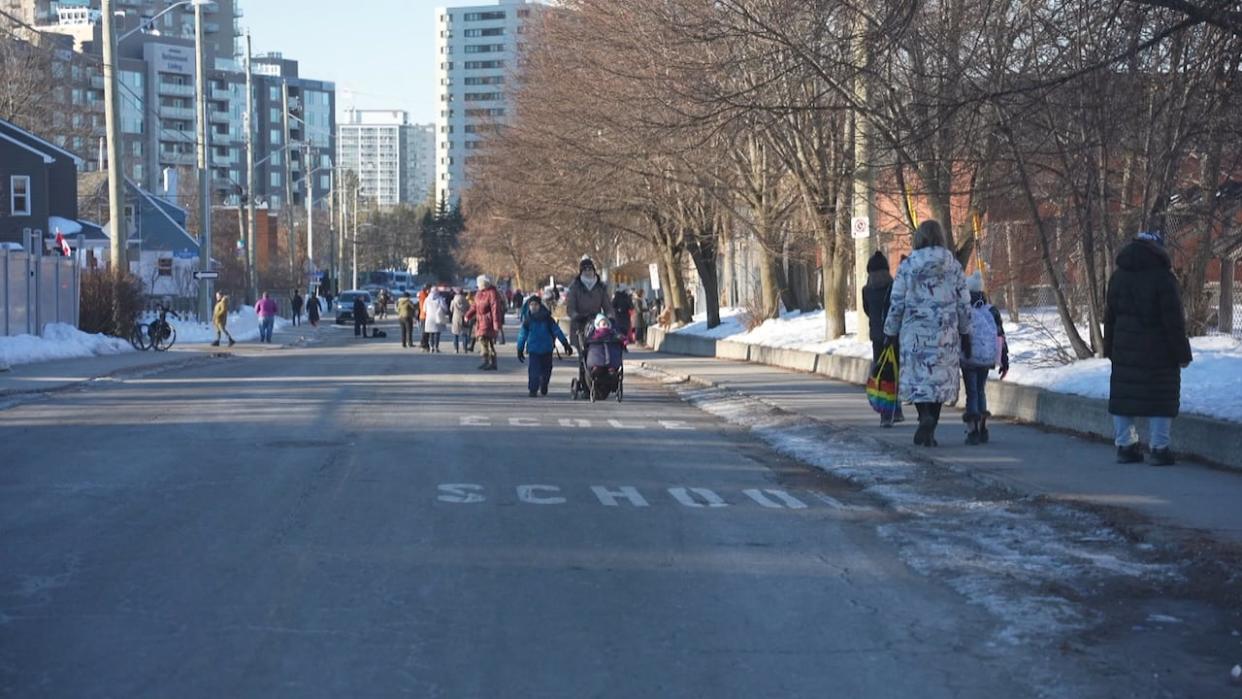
(382, 50)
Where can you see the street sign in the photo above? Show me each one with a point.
(860, 227)
(206, 275)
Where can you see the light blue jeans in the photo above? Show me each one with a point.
(265, 328)
(1160, 427)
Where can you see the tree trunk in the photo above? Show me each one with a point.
(770, 282)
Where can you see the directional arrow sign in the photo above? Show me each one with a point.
(206, 275)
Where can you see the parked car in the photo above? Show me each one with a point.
(345, 306)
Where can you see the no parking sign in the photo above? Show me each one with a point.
(860, 226)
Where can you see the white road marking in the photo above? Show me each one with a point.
(523, 422)
(622, 426)
(526, 493)
(609, 497)
(678, 425)
(460, 493)
(574, 422)
(475, 421)
(710, 498)
(760, 497)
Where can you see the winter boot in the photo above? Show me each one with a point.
(927, 425)
(485, 365)
(1132, 454)
(216, 343)
(1162, 457)
(983, 427)
(232, 342)
(972, 430)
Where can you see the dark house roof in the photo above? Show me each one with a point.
(160, 224)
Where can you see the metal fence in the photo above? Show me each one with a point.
(37, 290)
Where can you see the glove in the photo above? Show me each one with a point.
(521, 356)
(1004, 371)
(966, 346)
(569, 350)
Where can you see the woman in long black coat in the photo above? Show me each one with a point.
(1145, 337)
(876, 298)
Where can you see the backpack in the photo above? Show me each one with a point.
(983, 343)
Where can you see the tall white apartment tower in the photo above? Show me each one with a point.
(379, 146)
(477, 56)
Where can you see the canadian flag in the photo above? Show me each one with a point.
(63, 244)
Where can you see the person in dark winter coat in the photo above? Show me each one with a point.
(313, 309)
(537, 338)
(1145, 337)
(295, 307)
(360, 316)
(623, 306)
(876, 296)
(586, 298)
(987, 334)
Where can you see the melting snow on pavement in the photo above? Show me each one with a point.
(1014, 556)
(59, 341)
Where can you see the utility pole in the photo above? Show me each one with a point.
(252, 257)
(861, 222)
(204, 164)
(116, 186)
(355, 265)
(288, 157)
(310, 200)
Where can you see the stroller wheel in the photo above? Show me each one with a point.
(573, 389)
(620, 391)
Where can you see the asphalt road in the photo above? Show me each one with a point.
(354, 519)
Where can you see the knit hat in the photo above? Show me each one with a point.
(585, 263)
(877, 262)
(1152, 237)
(974, 283)
(483, 281)
(601, 323)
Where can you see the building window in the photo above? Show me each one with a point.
(19, 195)
(483, 16)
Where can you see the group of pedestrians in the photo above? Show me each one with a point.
(436, 310)
(947, 334)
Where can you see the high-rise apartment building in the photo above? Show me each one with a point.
(424, 148)
(383, 148)
(312, 132)
(477, 56)
(220, 18)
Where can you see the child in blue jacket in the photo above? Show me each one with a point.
(536, 338)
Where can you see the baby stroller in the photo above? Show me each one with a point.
(601, 371)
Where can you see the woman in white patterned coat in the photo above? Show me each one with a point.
(929, 320)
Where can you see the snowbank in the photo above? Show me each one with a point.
(243, 325)
(1038, 352)
(59, 341)
(794, 330)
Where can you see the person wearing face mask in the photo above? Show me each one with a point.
(586, 298)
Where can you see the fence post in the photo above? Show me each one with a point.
(77, 281)
(7, 296)
(32, 304)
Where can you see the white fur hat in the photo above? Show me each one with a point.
(974, 283)
(483, 281)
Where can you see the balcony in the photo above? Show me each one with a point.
(221, 117)
(186, 113)
(174, 89)
(167, 158)
(219, 94)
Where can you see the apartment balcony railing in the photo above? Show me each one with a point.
(175, 89)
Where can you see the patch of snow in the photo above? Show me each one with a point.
(243, 325)
(793, 330)
(1163, 619)
(59, 341)
(1005, 555)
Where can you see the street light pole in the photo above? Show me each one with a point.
(252, 257)
(112, 119)
(204, 165)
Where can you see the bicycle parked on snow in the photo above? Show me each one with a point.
(158, 335)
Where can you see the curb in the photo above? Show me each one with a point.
(1215, 442)
(11, 397)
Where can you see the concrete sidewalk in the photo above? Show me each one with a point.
(1026, 459)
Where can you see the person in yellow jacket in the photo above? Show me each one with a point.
(406, 313)
(220, 318)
